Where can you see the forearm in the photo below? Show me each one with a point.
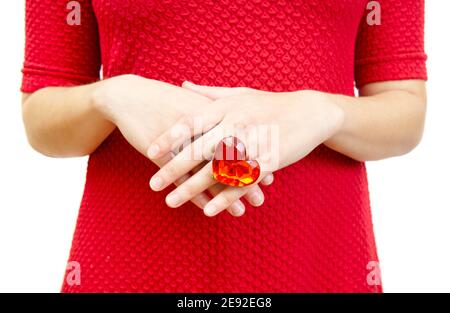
(62, 121)
(386, 122)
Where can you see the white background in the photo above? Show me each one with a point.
(39, 196)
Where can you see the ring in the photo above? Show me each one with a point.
(230, 165)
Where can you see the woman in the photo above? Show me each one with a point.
(292, 64)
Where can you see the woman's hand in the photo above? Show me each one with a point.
(143, 108)
(301, 120)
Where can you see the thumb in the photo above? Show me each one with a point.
(214, 92)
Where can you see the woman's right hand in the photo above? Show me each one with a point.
(143, 109)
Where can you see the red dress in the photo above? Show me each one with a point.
(314, 232)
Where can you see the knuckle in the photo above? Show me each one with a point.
(162, 142)
(245, 89)
(189, 189)
(176, 131)
(179, 131)
(187, 120)
(129, 76)
(170, 171)
(240, 117)
(228, 199)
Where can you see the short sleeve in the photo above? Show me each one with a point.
(393, 50)
(58, 53)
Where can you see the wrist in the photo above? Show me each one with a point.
(99, 99)
(336, 101)
(336, 112)
(324, 109)
(98, 102)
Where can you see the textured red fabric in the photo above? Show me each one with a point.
(314, 232)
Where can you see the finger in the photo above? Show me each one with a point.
(191, 187)
(268, 180)
(255, 196)
(199, 182)
(224, 199)
(174, 136)
(199, 200)
(214, 93)
(230, 194)
(236, 209)
(181, 132)
(187, 159)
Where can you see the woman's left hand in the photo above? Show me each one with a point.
(296, 123)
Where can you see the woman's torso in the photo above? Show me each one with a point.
(314, 232)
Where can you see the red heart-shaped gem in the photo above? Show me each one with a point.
(230, 166)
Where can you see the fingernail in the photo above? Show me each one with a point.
(237, 208)
(173, 200)
(256, 198)
(153, 151)
(210, 210)
(156, 183)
